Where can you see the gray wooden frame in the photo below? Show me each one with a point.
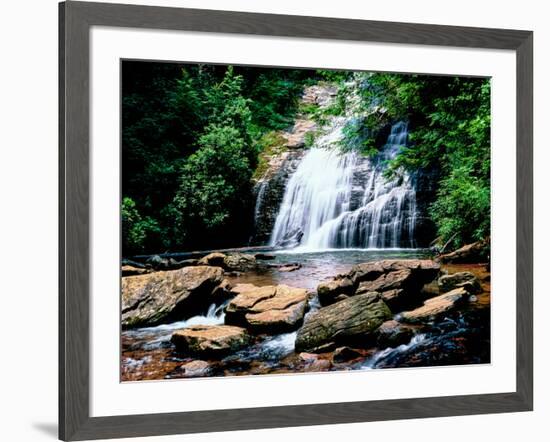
(75, 20)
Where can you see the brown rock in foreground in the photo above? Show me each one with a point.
(460, 279)
(167, 296)
(196, 368)
(392, 334)
(212, 259)
(277, 320)
(352, 320)
(398, 282)
(268, 309)
(329, 291)
(435, 307)
(425, 269)
(210, 340)
(240, 262)
(471, 253)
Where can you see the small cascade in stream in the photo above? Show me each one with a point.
(157, 336)
(339, 199)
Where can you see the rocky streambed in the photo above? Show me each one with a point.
(240, 314)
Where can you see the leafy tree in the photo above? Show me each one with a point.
(136, 230)
(215, 189)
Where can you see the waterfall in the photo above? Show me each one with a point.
(339, 199)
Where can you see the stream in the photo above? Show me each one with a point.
(148, 354)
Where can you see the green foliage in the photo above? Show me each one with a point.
(214, 181)
(136, 230)
(274, 95)
(463, 206)
(334, 76)
(270, 144)
(309, 139)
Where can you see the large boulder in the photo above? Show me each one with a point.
(268, 309)
(196, 369)
(167, 296)
(240, 262)
(398, 282)
(392, 334)
(437, 307)
(212, 259)
(424, 270)
(471, 253)
(210, 340)
(276, 320)
(461, 279)
(351, 321)
(329, 291)
(398, 279)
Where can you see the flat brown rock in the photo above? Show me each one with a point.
(397, 279)
(277, 320)
(437, 306)
(167, 296)
(210, 340)
(247, 297)
(283, 298)
(460, 279)
(196, 368)
(329, 291)
(471, 253)
(426, 269)
(212, 259)
(267, 309)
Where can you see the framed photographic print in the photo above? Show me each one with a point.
(316, 220)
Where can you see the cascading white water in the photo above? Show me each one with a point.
(341, 199)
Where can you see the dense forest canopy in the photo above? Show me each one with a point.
(193, 138)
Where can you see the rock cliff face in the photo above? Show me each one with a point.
(425, 182)
(269, 191)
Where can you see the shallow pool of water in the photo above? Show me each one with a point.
(319, 265)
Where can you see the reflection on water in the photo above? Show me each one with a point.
(317, 266)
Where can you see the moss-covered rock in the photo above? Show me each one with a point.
(353, 320)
